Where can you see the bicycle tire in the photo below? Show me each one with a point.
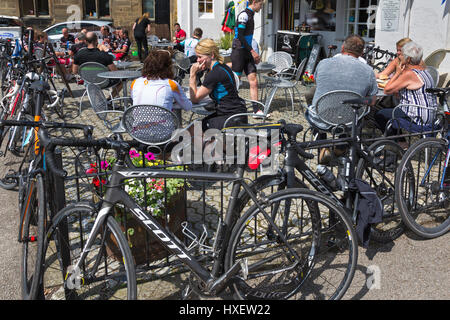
(62, 249)
(390, 154)
(32, 237)
(325, 244)
(426, 182)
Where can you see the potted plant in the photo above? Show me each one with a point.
(308, 79)
(163, 198)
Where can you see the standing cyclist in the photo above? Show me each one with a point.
(243, 57)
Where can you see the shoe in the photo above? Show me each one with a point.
(325, 156)
(80, 82)
(259, 114)
(404, 145)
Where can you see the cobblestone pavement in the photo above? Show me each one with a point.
(409, 268)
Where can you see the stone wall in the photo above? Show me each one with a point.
(9, 8)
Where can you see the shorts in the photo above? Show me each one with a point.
(242, 61)
(214, 121)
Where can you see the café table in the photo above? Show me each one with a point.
(163, 45)
(123, 75)
(123, 64)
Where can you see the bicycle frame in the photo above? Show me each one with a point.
(214, 281)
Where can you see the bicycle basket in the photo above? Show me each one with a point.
(149, 124)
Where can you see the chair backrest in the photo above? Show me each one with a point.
(282, 60)
(436, 57)
(434, 74)
(89, 70)
(97, 99)
(149, 124)
(300, 69)
(330, 110)
(182, 61)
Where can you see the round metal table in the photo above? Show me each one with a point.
(123, 64)
(163, 44)
(123, 75)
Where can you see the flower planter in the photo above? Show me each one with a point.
(144, 246)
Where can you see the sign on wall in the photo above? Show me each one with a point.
(390, 15)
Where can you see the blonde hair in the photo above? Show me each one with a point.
(145, 15)
(209, 47)
(400, 43)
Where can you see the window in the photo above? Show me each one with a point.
(205, 6)
(321, 15)
(96, 8)
(360, 18)
(149, 6)
(35, 8)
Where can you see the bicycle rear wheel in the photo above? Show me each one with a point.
(108, 272)
(387, 155)
(324, 248)
(427, 211)
(32, 237)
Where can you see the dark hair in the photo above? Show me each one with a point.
(91, 37)
(354, 44)
(176, 24)
(125, 31)
(158, 65)
(81, 36)
(198, 32)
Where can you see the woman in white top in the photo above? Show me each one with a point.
(156, 86)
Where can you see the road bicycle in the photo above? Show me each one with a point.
(277, 249)
(36, 192)
(424, 170)
(374, 164)
(373, 54)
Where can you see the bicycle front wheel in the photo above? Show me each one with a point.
(293, 252)
(426, 212)
(108, 272)
(32, 237)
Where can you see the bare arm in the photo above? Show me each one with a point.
(195, 93)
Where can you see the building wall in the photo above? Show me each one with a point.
(123, 14)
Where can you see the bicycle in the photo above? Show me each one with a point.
(374, 164)
(373, 54)
(278, 257)
(423, 184)
(36, 193)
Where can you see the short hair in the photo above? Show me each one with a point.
(176, 24)
(158, 65)
(91, 37)
(125, 31)
(104, 28)
(354, 44)
(198, 32)
(414, 51)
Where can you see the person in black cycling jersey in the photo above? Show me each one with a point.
(219, 83)
(243, 57)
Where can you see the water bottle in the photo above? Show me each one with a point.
(327, 176)
(343, 173)
(67, 45)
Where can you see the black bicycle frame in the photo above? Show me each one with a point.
(115, 194)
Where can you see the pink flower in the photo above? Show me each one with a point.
(149, 156)
(134, 154)
(104, 165)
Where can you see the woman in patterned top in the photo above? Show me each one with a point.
(410, 82)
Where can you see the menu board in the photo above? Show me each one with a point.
(390, 14)
(313, 59)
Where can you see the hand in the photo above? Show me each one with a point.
(256, 57)
(196, 67)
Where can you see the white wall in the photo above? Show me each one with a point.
(424, 21)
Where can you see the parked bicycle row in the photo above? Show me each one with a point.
(282, 236)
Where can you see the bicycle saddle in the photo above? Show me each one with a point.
(292, 129)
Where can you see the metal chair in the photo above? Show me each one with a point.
(88, 72)
(152, 125)
(182, 65)
(288, 81)
(282, 61)
(264, 106)
(103, 108)
(330, 113)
